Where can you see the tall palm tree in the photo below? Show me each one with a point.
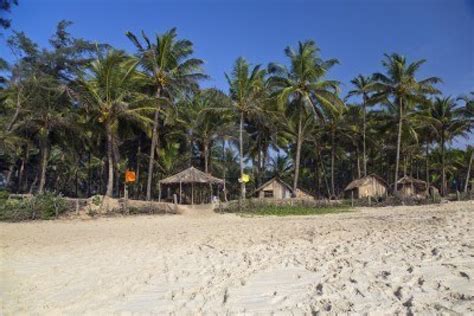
(363, 87)
(108, 92)
(247, 91)
(171, 70)
(447, 121)
(400, 88)
(302, 88)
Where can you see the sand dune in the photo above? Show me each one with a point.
(380, 260)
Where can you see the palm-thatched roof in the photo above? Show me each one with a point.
(417, 183)
(283, 183)
(191, 175)
(363, 181)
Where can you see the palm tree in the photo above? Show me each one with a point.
(363, 86)
(247, 92)
(303, 89)
(400, 88)
(108, 92)
(447, 121)
(171, 71)
(46, 116)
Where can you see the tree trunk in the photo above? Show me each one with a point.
(206, 157)
(399, 141)
(154, 141)
(224, 167)
(110, 161)
(364, 127)
(20, 174)
(358, 164)
(17, 112)
(44, 165)
(299, 142)
(443, 167)
(241, 153)
(468, 175)
(333, 159)
(137, 169)
(9, 175)
(427, 153)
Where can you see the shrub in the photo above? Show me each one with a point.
(42, 206)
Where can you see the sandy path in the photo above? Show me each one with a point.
(397, 259)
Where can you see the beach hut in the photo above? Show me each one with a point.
(411, 187)
(276, 188)
(369, 186)
(190, 184)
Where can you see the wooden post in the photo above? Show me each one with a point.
(125, 196)
(192, 193)
(211, 192)
(159, 192)
(180, 191)
(352, 198)
(370, 201)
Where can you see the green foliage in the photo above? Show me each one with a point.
(41, 206)
(284, 207)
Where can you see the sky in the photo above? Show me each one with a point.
(357, 33)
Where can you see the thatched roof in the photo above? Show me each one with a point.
(270, 181)
(364, 180)
(417, 183)
(192, 175)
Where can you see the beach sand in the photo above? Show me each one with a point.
(378, 260)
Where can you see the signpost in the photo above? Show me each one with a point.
(130, 177)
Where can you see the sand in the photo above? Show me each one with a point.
(389, 260)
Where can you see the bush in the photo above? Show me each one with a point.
(42, 206)
(283, 207)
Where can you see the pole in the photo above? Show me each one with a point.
(192, 193)
(159, 192)
(125, 195)
(180, 190)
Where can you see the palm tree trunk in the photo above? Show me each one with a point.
(333, 158)
(358, 164)
(44, 165)
(443, 167)
(110, 161)
(427, 164)
(364, 127)
(468, 175)
(224, 171)
(206, 157)
(241, 153)
(399, 141)
(299, 141)
(154, 141)
(20, 173)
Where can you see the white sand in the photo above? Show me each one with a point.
(394, 259)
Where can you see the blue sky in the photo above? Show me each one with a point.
(358, 33)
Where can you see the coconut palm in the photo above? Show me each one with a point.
(108, 93)
(363, 87)
(304, 89)
(247, 92)
(170, 70)
(447, 121)
(400, 88)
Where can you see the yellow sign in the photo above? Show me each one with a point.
(245, 178)
(130, 176)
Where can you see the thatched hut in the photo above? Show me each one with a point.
(371, 185)
(190, 182)
(411, 187)
(276, 188)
